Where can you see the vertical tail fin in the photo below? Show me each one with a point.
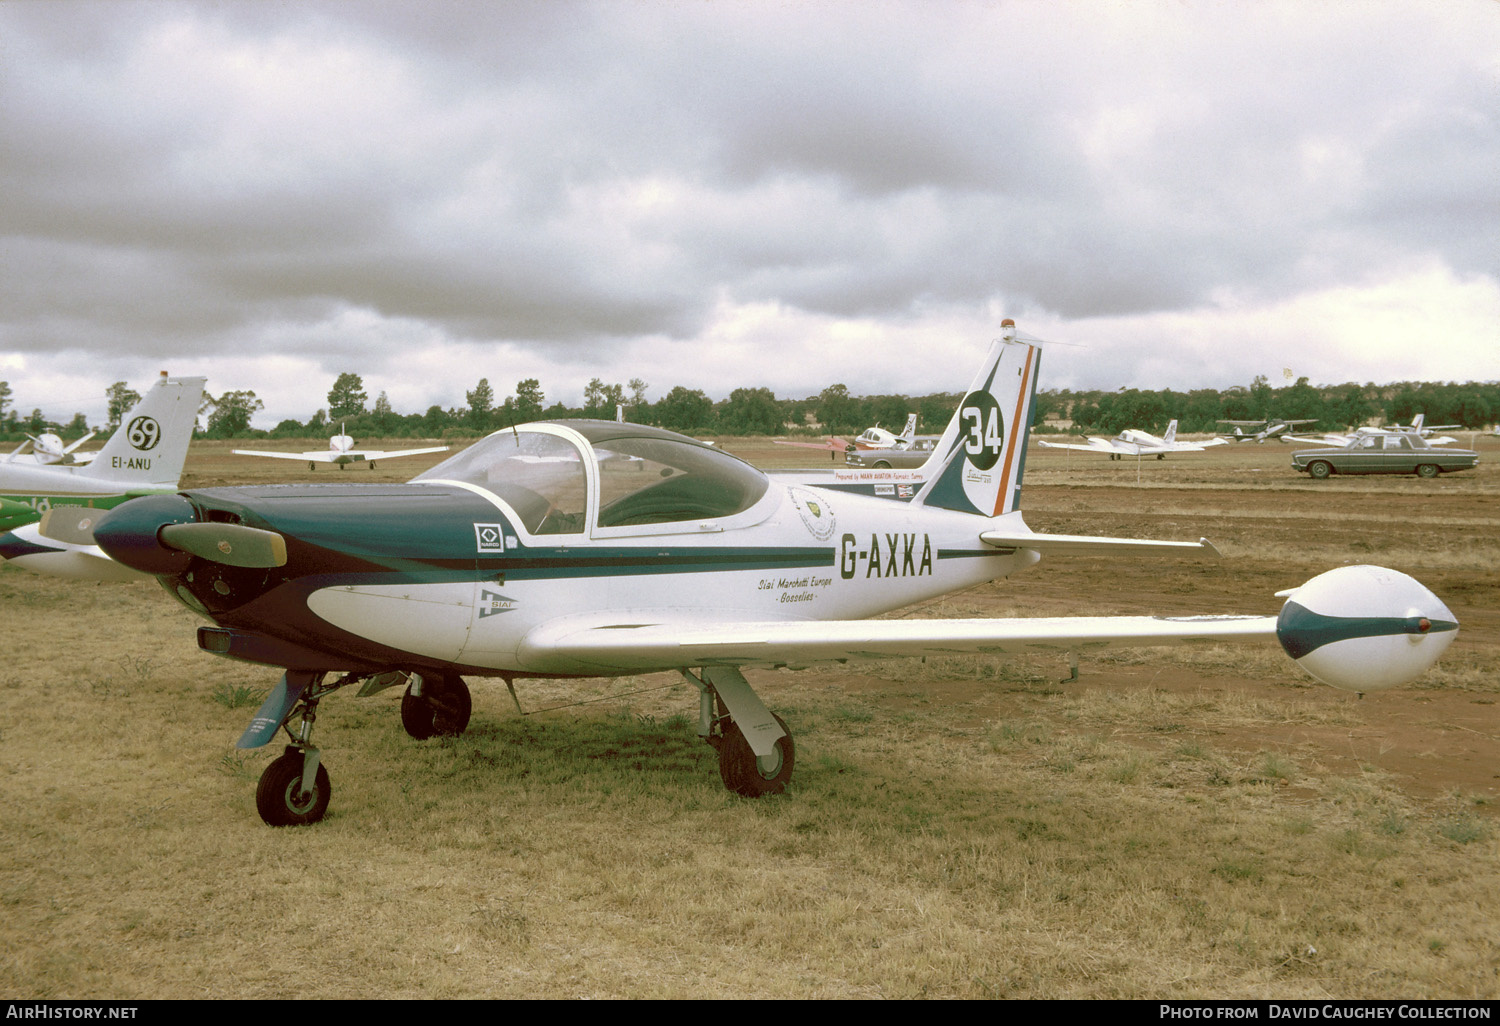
(982, 454)
(910, 431)
(1171, 435)
(150, 446)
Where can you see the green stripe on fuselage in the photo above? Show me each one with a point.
(20, 510)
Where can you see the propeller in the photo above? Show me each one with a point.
(71, 524)
(229, 544)
(50, 449)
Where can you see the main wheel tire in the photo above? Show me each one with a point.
(1427, 470)
(743, 773)
(1320, 470)
(441, 710)
(278, 796)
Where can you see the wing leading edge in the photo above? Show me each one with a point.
(573, 645)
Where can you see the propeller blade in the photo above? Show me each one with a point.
(76, 444)
(230, 544)
(71, 524)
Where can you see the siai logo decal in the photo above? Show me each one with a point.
(492, 602)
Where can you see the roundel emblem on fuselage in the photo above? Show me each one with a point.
(815, 512)
(143, 433)
(982, 429)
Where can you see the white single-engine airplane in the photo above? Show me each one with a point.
(146, 454)
(498, 563)
(1132, 442)
(340, 451)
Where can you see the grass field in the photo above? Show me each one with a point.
(1172, 825)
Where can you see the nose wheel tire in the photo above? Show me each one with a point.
(441, 710)
(279, 797)
(744, 774)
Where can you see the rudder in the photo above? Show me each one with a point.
(150, 446)
(982, 452)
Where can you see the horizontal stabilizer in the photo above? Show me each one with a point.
(1085, 545)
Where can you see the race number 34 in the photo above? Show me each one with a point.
(983, 428)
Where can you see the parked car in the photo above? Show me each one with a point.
(899, 458)
(1393, 453)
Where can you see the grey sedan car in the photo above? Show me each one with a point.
(1403, 453)
(898, 458)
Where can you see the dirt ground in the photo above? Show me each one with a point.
(1277, 528)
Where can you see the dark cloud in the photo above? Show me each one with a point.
(581, 179)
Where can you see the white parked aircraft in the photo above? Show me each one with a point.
(1132, 442)
(146, 454)
(686, 559)
(1416, 427)
(47, 449)
(340, 451)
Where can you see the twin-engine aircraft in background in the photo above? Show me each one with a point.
(1276, 427)
(539, 552)
(1132, 442)
(144, 455)
(340, 451)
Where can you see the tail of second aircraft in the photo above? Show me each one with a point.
(150, 446)
(982, 453)
(1171, 435)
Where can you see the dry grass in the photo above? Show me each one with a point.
(1095, 846)
(958, 828)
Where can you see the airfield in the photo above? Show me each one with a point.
(1173, 824)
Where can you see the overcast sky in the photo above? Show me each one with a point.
(729, 194)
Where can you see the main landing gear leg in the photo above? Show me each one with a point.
(756, 752)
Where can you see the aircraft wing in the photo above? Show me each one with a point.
(321, 456)
(580, 644)
(376, 454)
(1095, 445)
(833, 445)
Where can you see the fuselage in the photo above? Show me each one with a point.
(455, 571)
(28, 490)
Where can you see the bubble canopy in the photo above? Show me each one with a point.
(567, 477)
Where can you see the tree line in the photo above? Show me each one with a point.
(756, 411)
